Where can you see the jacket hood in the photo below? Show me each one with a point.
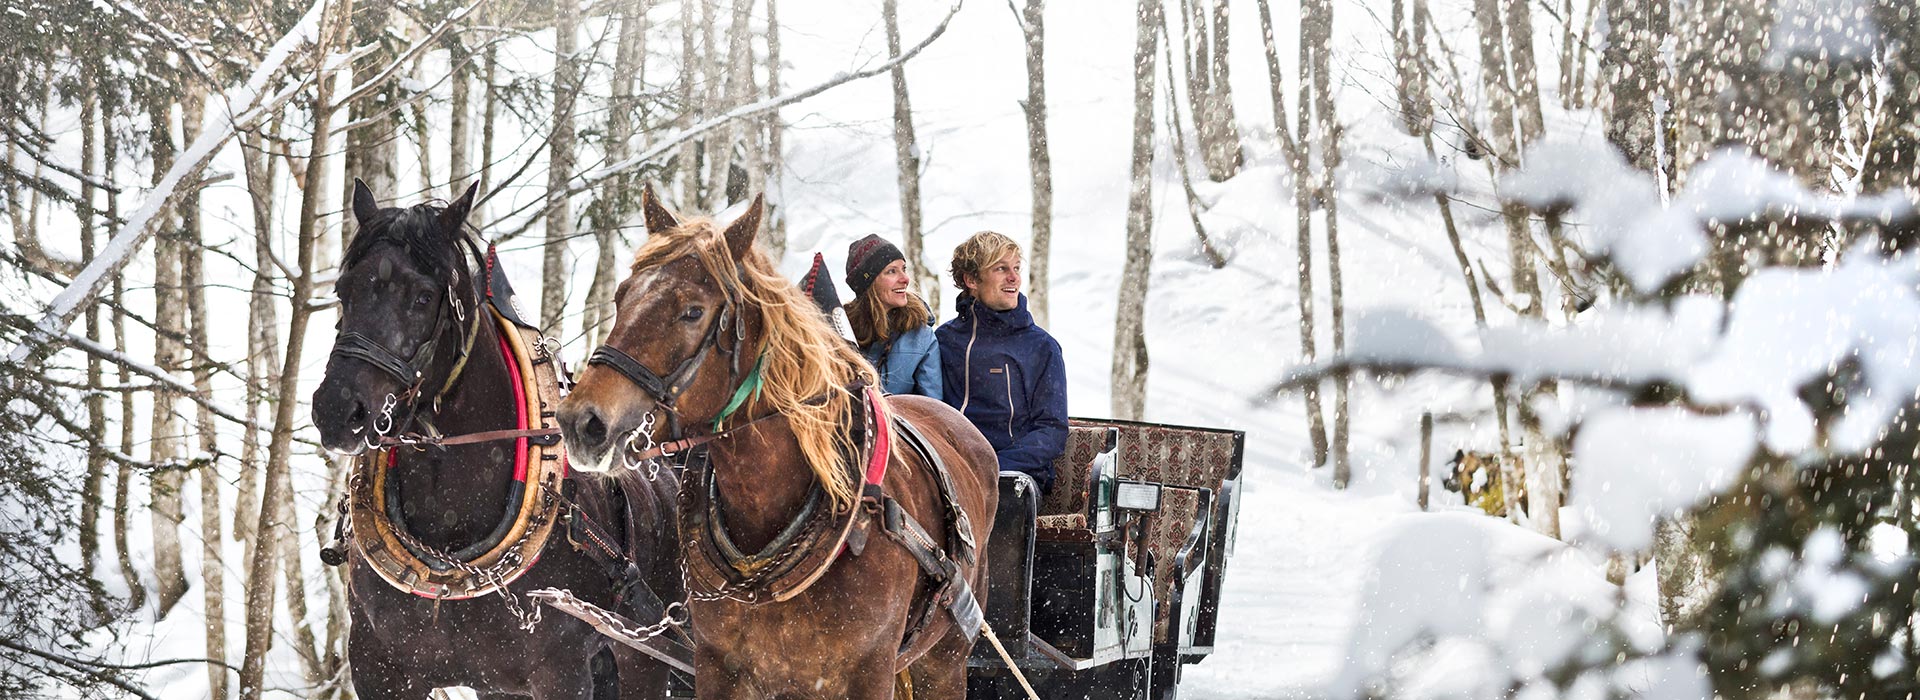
(1012, 319)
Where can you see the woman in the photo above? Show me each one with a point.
(890, 323)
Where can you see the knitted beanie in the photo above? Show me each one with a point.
(866, 259)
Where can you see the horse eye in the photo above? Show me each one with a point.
(693, 313)
(423, 300)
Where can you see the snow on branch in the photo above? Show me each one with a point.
(114, 256)
(588, 180)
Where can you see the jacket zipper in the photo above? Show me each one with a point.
(967, 373)
(1007, 372)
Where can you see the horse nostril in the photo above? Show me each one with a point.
(357, 414)
(593, 431)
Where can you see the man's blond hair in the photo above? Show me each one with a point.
(977, 253)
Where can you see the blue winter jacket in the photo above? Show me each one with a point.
(1007, 376)
(909, 363)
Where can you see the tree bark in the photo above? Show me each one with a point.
(554, 270)
(489, 115)
(1129, 376)
(123, 478)
(1039, 161)
(212, 561)
(459, 118)
(688, 162)
(1203, 242)
(1208, 88)
(261, 565)
(615, 202)
(164, 433)
(1526, 73)
(1321, 38)
(906, 155)
(262, 326)
(773, 235)
(1289, 148)
(91, 496)
(1633, 78)
(1303, 204)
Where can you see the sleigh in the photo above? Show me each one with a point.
(1111, 584)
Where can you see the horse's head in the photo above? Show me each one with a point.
(406, 299)
(683, 335)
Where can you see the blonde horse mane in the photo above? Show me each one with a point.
(805, 358)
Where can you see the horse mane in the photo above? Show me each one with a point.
(414, 229)
(805, 358)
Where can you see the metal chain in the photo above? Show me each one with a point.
(529, 616)
(610, 623)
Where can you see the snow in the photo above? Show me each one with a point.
(1633, 466)
(1791, 327)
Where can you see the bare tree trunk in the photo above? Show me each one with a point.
(1632, 77)
(554, 270)
(906, 152)
(611, 207)
(712, 92)
(262, 323)
(290, 570)
(459, 144)
(739, 90)
(774, 234)
(1526, 73)
(212, 561)
(690, 111)
(261, 569)
(90, 493)
(1129, 377)
(1288, 146)
(122, 483)
(164, 433)
(1321, 38)
(1893, 161)
(1039, 161)
(1303, 204)
(488, 117)
(371, 148)
(1416, 113)
(1204, 243)
(1208, 87)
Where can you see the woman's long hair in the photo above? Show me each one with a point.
(873, 322)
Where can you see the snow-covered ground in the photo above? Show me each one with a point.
(1305, 559)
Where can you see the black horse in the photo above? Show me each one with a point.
(420, 360)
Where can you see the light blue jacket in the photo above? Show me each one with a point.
(910, 365)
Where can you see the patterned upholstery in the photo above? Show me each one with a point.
(1072, 471)
(1175, 456)
(1167, 531)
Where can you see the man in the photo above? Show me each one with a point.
(1004, 373)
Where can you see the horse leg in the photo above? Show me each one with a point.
(942, 673)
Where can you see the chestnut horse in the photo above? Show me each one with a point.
(721, 360)
(422, 348)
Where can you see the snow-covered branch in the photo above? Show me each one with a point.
(114, 256)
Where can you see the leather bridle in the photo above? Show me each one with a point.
(412, 371)
(665, 390)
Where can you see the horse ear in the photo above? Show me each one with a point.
(364, 206)
(659, 218)
(742, 231)
(456, 213)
